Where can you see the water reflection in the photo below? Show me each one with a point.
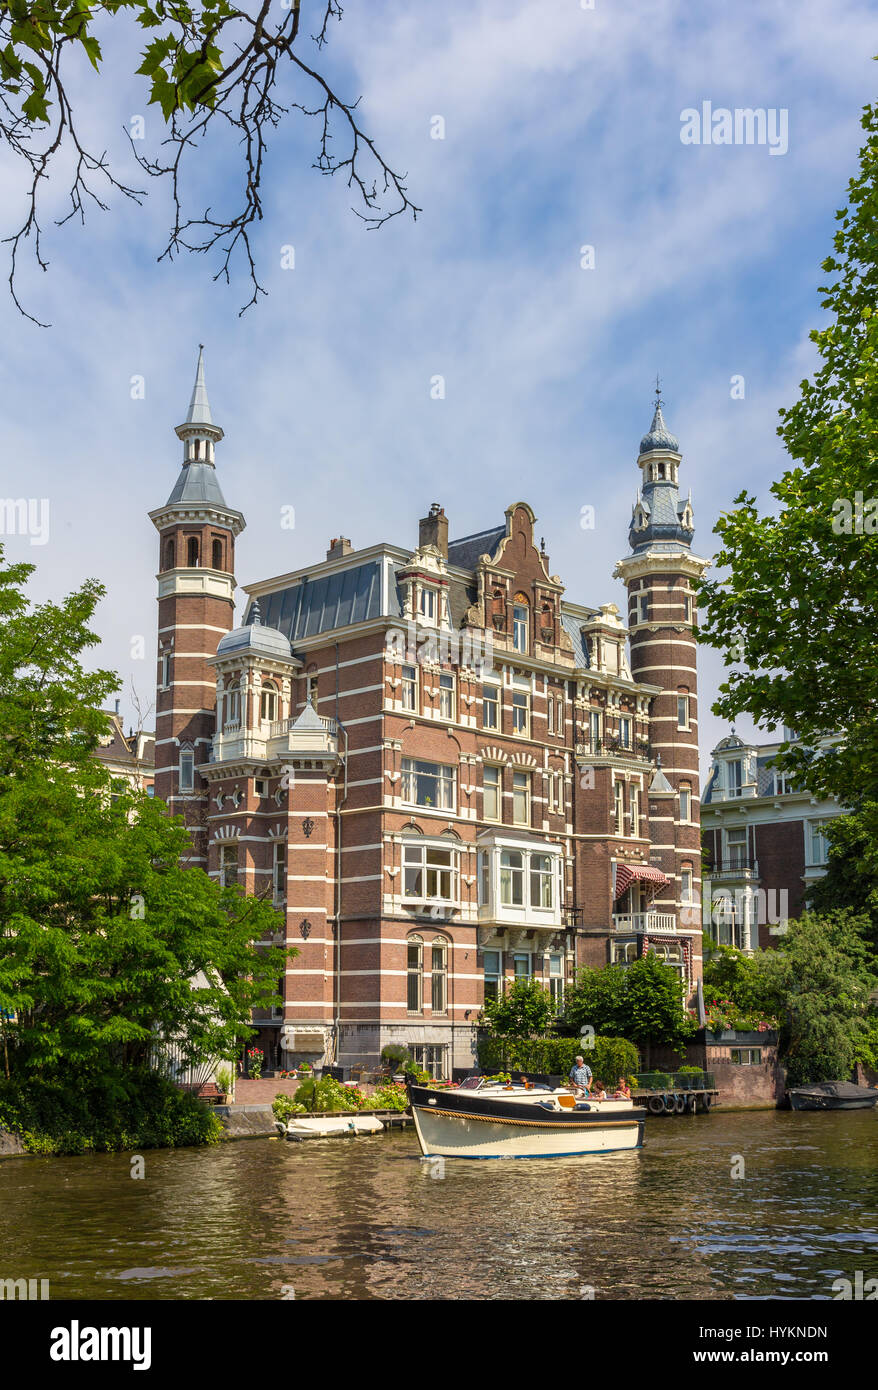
(363, 1219)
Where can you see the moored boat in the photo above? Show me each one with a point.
(482, 1119)
(833, 1095)
(328, 1126)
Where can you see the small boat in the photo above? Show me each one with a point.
(833, 1095)
(486, 1119)
(328, 1126)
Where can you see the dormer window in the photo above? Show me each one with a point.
(428, 605)
(233, 705)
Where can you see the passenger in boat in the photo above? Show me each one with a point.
(580, 1075)
(623, 1090)
(599, 1093)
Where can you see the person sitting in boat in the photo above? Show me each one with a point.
(580, 1075)
(623, 1090)
(599, 1093)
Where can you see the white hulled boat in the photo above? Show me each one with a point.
(485, 1119)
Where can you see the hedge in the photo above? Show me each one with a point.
(609, 1058)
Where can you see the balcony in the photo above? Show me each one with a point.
(652, 923)
(738, 866)
(308, 733)
(613, 748)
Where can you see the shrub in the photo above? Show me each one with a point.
(396, 1055)
(393, 1096)
(327, 1094)
(283, 1107)
(104, 1112)
(609, 1058)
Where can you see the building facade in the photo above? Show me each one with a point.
(444, 772)
(764, 840)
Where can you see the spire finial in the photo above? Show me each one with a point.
(658, 391)
(199, 406)
(255, 613)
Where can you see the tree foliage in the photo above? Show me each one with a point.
(794, 612)
(641, 1002)
(234, 69)
(106, 943)
(524, 1010)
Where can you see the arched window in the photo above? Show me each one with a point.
(415, 975)
(217, 554)
(192, 553)
(439, 975)
(268, 702)
(170, 555)
(233, 703)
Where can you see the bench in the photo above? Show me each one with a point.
(210, 1092)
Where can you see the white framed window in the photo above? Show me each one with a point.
(446, 695)
(166, 670)
(734, 777)
(490, 707)
(521, 707)
(484, 878)
(492, 967)
(641, 607)
(415, 975)
(521, 798)
(408, 688)
(432, 1058)
(686, 885)
(428, 784)
(819, 843)
(746, 1056)
(550, 715)
(427, 604)
(268, 703)
(520, 615)
(260, 786)
(555, 981)
(233, 704)
(522, 965)
(512, 878)
(685, 802)
(279, 870)
(736, 847)
(618, 808)
(634, 801)
(493, 786)
(228, 865)
(687, 608)
(439, 976)
(682, 711)
(559, 717)
(187, 770)
(623, 952)
(429, 873)
(625, 731)
(542, 881)
(595, 729)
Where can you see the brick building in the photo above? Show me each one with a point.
(445, 772)
(765, 841)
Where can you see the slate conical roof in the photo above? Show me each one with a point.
(659, 436)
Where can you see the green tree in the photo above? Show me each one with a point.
(748, 980)
(851, 878)
(106, 943)
(824, 972)
(233, 72)
(641, 1002)
(522, 1011)
(794, 610)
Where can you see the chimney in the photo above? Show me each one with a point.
(433, 530)
(339, 545)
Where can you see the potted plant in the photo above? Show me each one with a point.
(224, 1084)
(255, 1058)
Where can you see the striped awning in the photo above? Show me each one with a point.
(626, 874)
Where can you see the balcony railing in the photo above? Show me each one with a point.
(648, 922)
(737, 864)
(283, 726)
(613, 747)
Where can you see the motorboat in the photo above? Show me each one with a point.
(482, 1118)
(833, 1095)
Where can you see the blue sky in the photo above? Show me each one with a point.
(562, 128)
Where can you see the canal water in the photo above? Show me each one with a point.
(364, 1219)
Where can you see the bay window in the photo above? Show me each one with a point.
(512, 878)
(542, 881)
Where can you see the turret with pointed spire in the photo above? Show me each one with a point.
(196, 587)
(659, 576)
